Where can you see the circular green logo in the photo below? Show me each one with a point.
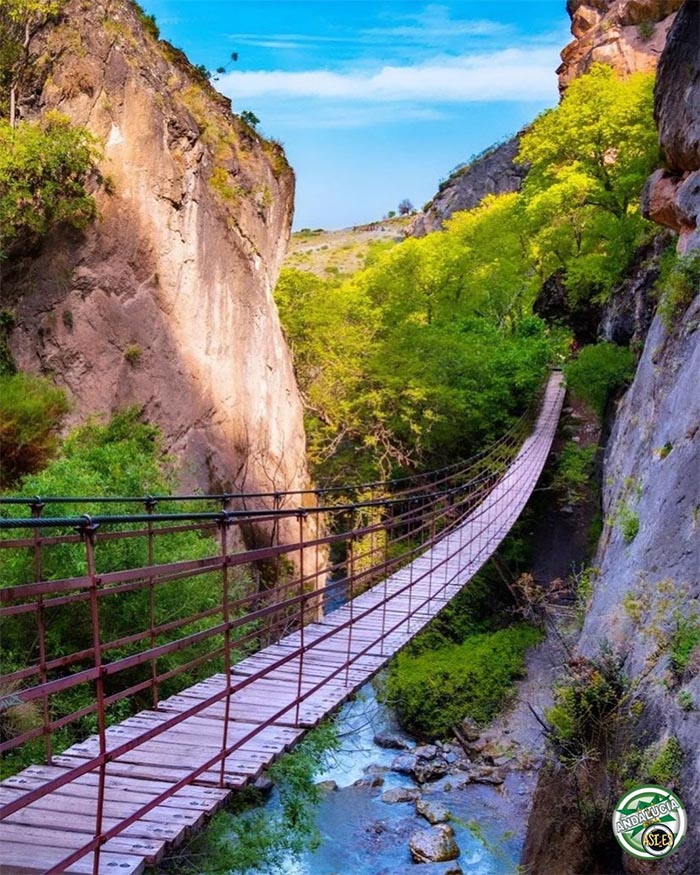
(649, 822)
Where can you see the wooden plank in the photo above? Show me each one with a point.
(32, 860)
(149, 849)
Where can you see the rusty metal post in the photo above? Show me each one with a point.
(410, 577)
(150, 504)
(87, 530)
(350, 593)
(36, 506)
(226, 617)
(386, 530)
(301, 514)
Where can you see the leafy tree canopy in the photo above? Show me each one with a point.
(43, 170)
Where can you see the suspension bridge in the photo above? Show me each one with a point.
(273, 660)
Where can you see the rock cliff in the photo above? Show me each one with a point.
(494, 173)
(166, 300)
(628, 35)
(646, 595)
(672, 195)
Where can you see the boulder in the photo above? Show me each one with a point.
(369, 781)
(433, 812)
(326, 786)
(434, 845)
(400, 794)
(391, 741)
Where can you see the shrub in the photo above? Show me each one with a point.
(627, 520)
(585, 704)
(646, 29)
(666, 766)
(599, 370)
(677, 285)
(685, 641)
(132, 354)
(436, 690)
(31, 410)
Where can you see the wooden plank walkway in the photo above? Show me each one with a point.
(38, 836)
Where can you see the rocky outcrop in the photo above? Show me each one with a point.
(166, 301)
(672, 195)
(645, 602)
(628, 312)
(628, 35)
(496, 172)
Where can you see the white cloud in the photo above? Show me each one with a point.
(508, 75)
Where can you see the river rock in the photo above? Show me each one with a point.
(434, 845)
(469, 729)
(488, 775)
(430, 770)
(369, 781)
(433, 812)
(400, 794)
(405, 764)
(427, 751)
(391, 741)
(326, 786)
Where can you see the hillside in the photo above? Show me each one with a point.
(327, 253)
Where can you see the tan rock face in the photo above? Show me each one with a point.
(672, 196)
(629, 35)
(167, 300)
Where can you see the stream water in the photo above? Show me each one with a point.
(362, 835)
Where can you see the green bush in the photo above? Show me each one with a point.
(666, 766)
(584, 706)
(43, 175)
(574, 478)
(685, 641)
(599, 370)
(627, 520)
(678, 284)
(436, 690)
(31, 410)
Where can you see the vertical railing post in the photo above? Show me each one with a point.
(410, 569)
(36, 505)
(150, 504)
(223, 524)
(386, 531)
(350, 593)
(87, 530)
(301, 514)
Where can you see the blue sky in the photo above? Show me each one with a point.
(375, 101)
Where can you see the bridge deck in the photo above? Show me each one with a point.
(264, 714)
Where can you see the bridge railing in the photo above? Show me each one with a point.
(362, 541)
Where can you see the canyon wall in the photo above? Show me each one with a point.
(166, 300)
(627, 35)
(494, 173)
(647, 578)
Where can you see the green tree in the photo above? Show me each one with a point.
(589, 158)
(43, 173)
